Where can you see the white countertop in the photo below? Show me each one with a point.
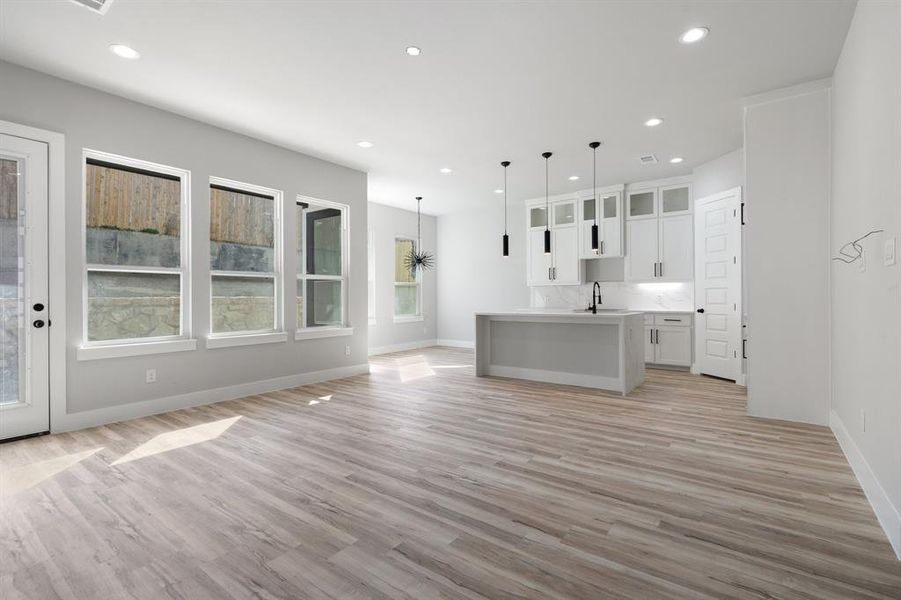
(559, 312)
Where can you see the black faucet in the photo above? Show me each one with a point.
(595, 299)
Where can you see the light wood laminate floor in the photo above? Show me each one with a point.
(421, 481)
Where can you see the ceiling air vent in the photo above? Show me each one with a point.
(648, 159)
(98, 6)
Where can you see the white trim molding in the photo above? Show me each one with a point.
(456, 343)
(410, 319)
(124, 412)
(246, 339)
(312, 333)
(135, 349)
(417, 345)
(888, 515)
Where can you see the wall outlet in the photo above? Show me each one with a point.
(151, 376)
(888, 252)
(346, 350)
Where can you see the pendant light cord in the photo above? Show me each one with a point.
(547, 206)
(505, 200)
(418, 225)
(594, 178)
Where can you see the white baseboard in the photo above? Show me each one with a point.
(457, 343)
(401, 347)
(887, 514)
(124, 412)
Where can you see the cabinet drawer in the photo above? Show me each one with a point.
(676, 320)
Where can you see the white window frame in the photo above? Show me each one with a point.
(418, 284)
(303, 332)
(277, 333)
(370, 277)
(100, 349)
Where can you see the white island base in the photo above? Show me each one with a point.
(603, 350)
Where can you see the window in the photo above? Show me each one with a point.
(321, 264)
(137, 279)
(406, 283)
(370, 276)
(245, 258)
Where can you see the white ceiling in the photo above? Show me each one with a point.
(495, 81)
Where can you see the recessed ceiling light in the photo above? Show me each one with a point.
(364, 144)
(124, 51)
(498, 191)
(413, 50)
(676, 160)
(573, 177)
(446, 170)
(695, 34)
(653, 122)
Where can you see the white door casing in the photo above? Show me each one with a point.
(25, 407)
(718, 349)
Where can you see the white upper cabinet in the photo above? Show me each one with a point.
(608, 208)
(659, 232)
(561, 266)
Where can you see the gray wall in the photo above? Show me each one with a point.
(385, 224)
(718, 175)
(866, 194)
(786, 261)
(100, 121)
(472, 274)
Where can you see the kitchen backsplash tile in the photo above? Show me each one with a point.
(634, 296)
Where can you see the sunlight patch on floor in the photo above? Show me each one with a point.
(411, 368)
(24, 477)
(180, 438)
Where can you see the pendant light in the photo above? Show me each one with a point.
(506, 239)
(547, 209)
(594, 228)
(417, 258)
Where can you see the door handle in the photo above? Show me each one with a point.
(652, 335)
(744, 348)
(38, 323)
(701, 310)
(655, 269)
(602, 246)
(656, 336)
(661, 268)
(549, 274)
(38, 307)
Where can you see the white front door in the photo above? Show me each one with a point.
(718, 285)
(24, 324)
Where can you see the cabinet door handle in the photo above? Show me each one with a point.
(655, 269)
(744, 348)
(652, 335)
(661, 268)
(602, 246)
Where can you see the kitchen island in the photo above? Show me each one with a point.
(603, 350)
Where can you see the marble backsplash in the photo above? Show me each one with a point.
(634, 296)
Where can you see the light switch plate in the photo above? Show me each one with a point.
(888, 252)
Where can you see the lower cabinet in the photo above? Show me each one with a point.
(668, 339)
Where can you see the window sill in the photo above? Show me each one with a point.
(247, 339)
(135, 349)
(313, 333)
(416, 319)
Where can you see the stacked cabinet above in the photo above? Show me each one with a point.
(659, 238)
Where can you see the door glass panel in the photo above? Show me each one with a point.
(565, 214)
(537, 217)
(641, 203)
(675, 199)
(12, 284)
(610, 207)
(588, 209)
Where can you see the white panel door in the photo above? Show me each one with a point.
(718, 285)
(676, 249)
(24, 324)
(641, 255)
(539, 262)
(566, 255)
(673, 346)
